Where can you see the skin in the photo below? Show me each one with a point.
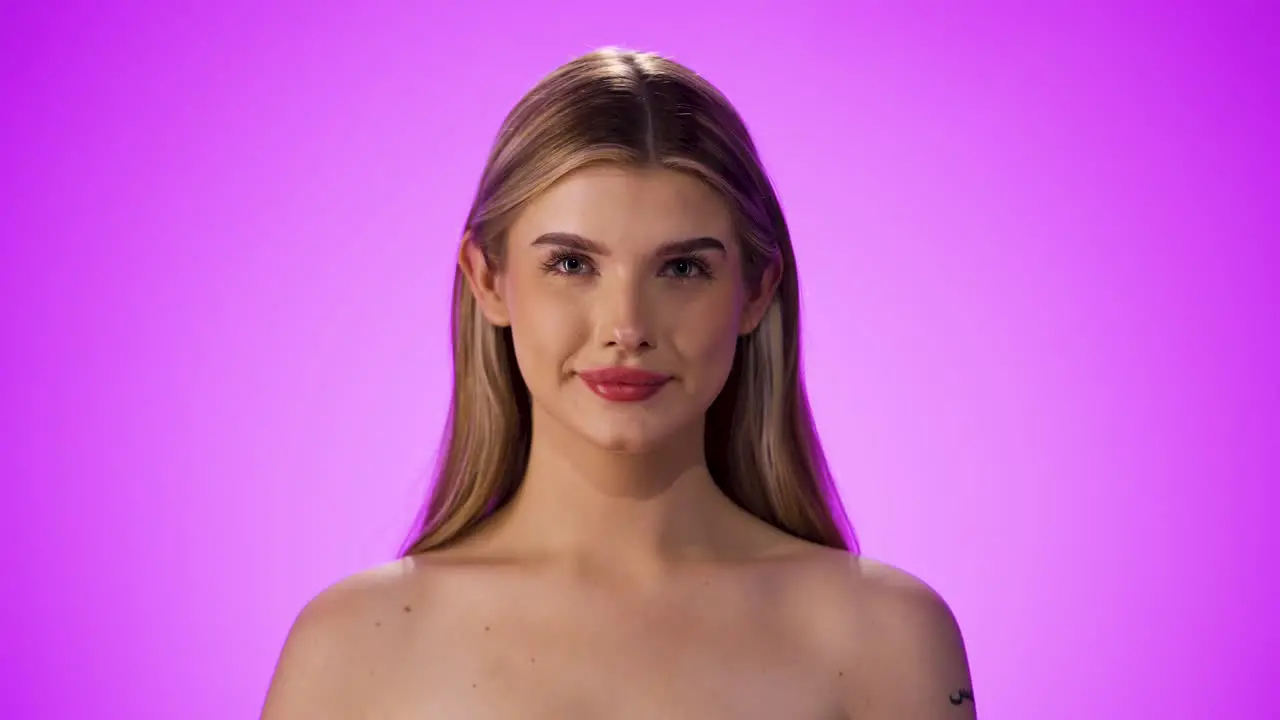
(620, 583)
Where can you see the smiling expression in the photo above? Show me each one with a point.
(616, 267)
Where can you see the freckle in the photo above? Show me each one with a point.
(473, 684)
(486, 628)
(531, 660)
(841, 673)
(407, 608)
(377, 623)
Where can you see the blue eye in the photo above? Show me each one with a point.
(573, 264)
(566, 264)
(688, 269)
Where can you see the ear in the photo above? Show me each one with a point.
(486, 282)
(758, 304)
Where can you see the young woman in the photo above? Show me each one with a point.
(632, 516)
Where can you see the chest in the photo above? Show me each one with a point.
(564, 658)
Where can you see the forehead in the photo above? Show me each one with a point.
(612, 204)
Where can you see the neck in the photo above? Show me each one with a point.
(629, 511)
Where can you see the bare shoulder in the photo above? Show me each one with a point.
(906, 654)
(334, 644)
(897, 600)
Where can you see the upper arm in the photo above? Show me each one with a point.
(312, 678)
(915, 665)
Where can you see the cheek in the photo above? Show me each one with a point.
(706, 336)
(546, 327)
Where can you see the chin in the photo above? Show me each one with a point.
(639, 428)
(625, 440)
(636, 430)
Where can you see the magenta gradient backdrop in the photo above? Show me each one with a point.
(1038, 248)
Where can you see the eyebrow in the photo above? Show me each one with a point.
(574, 241)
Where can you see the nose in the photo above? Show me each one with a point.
(630, 339)
(623, 321)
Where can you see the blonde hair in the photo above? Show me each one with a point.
(638, 109)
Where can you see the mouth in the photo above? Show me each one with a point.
(624, 384)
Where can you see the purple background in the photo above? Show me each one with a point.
(1038, 247)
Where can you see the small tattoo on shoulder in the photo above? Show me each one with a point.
(960, 696)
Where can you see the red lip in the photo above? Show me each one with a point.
(624, 384)
(623, 376)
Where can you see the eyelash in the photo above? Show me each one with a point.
(552, 265)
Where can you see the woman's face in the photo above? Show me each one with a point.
(619, 267)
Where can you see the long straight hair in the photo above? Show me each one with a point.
(642, 110)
